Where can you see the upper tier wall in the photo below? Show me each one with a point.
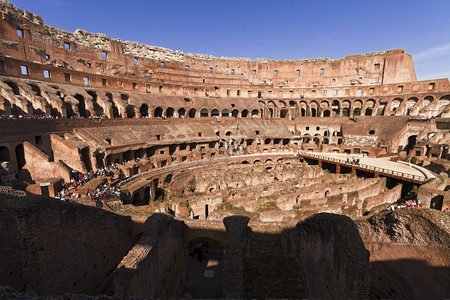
(99, 54)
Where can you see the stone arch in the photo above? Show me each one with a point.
(181, 112)
(234, 113)
(283, 113)
(244, 113)
(170, 112)
(346, 106)
(204, 113)
(215, 113)
(130, 111)
(143, 110)
(192, 113)
(14, 87)
(327, 113)
(255, 113)
(82, 111)
(158, 112)
(98, 110)
(225, 113)
(395, 104)
(4, 154)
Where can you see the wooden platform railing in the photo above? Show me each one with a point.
(383, 171)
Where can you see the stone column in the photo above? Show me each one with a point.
(233, 256)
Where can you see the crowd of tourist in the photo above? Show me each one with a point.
(103, 192)
(80, 179)
(407, 203)
(353, 161)
(100, 193)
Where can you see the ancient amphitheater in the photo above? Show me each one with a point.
(308, 178)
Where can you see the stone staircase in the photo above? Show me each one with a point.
(269, 273)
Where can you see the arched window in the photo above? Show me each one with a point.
(158, 112)
(204, 113)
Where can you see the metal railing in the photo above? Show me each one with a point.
(383, 171)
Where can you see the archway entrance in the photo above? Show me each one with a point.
(205, 275)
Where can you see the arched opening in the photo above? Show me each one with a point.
(313, 112)
(368, 111)
(345, 112)
(411, 143)
(143, 110)
(244, 113)
(35, 89)
(283, 113)
(205, 260)
(158, 112)
(147, 195)
(127, 156)
(169, 112)
(271, 112)
(357, 111)
(254, 113)
(130, 111)
(326, 113)
(82, 106)
(204, 113)
(192, 113)
(303, 112)
(181, 113)
(4, 154)
(14, 87)
(98, 110)
(234, 113)
(99, 158)
(326, 141)
(225, 113)
(136, 199)
(215, 113)
(115, 110)
(20, 156)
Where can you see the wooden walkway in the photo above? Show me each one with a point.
(377, 166)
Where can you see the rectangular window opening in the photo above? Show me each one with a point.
(67, 76)
(322, 71)
(104, 81)
(431, 86)
(66, 45)
(298, 72)
(24, 70)
(20, 33)
(358, 93)
(46, 74)
(163, 64)
(210, 70)
(134, 85)
(104, 54)
(86, 81)
(136, 60)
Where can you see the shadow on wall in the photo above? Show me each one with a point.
(408, 279)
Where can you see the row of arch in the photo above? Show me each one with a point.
(51, 100)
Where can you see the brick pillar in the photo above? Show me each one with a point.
(233, 256)
(338, 169)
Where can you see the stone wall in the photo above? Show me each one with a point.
(335, 262)
(40, 167)
(156, 266)
(51, 247)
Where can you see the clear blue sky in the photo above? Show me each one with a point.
(277, 29)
